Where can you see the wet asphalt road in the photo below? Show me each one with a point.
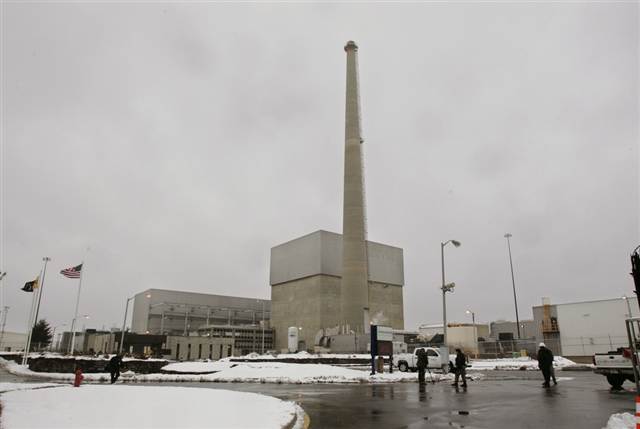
(503, 399)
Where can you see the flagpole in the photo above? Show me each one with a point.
(44, 272)
(75, 318)
(29, 329)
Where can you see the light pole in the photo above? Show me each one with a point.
(3, 322)
(2, 303)
(475, 329)
(124, 322)
(5, 308)
(446, 288)
(513, 281)
(263, 326)
(626, 299)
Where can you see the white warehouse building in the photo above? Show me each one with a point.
(578, 330)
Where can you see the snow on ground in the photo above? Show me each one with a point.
(7, 387)
(302, 356)
(280, 372)
(70, 407)
(52, 355)
(621, 421)
(252, 372)
(515, 364)
(199, 367)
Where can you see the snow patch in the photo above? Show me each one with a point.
(8, 387)
(252, 372)
(621, 421)
(522, 363)
(69, 407)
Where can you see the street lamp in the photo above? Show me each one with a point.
(124, 322)
(446, 288)
(513, 281)
(262, 300)
(626, 299)
(475, 329)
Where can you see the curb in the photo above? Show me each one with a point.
(293, 423)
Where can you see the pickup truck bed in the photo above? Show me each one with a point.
(616, 366)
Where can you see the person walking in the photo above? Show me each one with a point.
(422, 363)
(78, 378)
(114, 367)
(461, 368)
(545, 363)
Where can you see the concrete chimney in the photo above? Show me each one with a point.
(355, 285)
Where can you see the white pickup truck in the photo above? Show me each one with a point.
(615, 365)
(409, 361)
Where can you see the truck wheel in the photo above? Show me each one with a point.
(615, 380)
(403, 367)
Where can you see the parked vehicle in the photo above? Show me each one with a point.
(409, 361)
(616, 366)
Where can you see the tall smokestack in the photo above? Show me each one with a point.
(355, 286)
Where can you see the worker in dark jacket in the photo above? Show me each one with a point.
(461, 368)
(114, 367)
(545, 363)
(422, 363)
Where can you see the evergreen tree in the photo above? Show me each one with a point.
(41, 335)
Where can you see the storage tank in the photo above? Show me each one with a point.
(293, 339)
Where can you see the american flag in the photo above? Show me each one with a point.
(73, 272)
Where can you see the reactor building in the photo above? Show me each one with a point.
(328, 285)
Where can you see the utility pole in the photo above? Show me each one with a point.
(513, 281)
(5, 311)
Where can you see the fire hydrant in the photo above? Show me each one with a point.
(79, 378)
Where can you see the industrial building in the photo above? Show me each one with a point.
(466, 336)
(305, 287)
(172, 312)
(12, 341)
(505, 330)
(330, 285)
(236, 341)
(578, 330)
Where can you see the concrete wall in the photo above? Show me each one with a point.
(321, 253)
(170, 308)
(313, 303)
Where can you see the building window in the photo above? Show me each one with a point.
(199, 351)
(188, 351)
(220, 355)
(178, 351)
(210, 351)
(228, 350)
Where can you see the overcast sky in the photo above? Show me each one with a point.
(180, 142)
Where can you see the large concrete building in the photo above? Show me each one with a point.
(172, 312)
(305, 282)
(327, 284)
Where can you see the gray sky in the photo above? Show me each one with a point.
(180, 142)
